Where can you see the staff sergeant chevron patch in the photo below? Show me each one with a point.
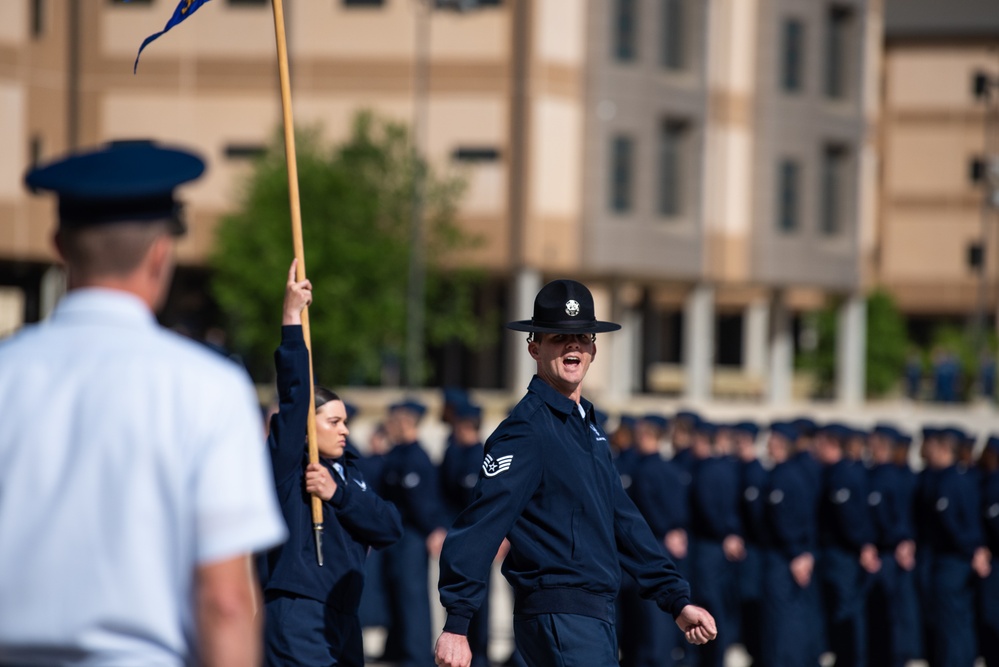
(492, 467)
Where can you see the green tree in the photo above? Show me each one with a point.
(887, 345)
(356, 203)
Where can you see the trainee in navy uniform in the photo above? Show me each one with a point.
(647, 636)
(549, 485)
(788, 557)
(409, 479)
(988, 610)
(954, 533)
(134, 478)
(753, 479)
(459, 471)
(848, 554)
(311, 610)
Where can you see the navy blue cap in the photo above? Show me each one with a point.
(454, 395)
(954, 432)
(410, 405)
(835, 430)
(626, 421)
(747, 427)
(805, 427)
(785, 430)
(125, 181)
(930, 432)
(992, 443)
(467, 410)
(351, 410)
(707, 428)
(657, 420)
(887, 430)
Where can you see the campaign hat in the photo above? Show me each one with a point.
(123, 181)
(564, 306)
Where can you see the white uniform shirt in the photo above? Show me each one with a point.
(128, 457)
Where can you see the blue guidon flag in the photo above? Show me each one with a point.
(184, 9)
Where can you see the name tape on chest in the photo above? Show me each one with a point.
(492, 467)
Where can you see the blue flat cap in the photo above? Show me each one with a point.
(886, 430)
(992, 443)
(657, 420)
(806, 427)
(454, 395)
(747, 427)
(467, 410)
(626, 421)
(125, 181)
(785, 430)
(410, 405)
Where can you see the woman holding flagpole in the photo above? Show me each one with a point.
(311, 609)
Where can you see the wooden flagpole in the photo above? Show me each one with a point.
(299, 246)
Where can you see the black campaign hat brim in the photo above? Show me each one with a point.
(554, 327)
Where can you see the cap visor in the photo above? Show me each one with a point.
(592, 327)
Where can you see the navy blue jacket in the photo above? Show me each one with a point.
(354, 519)
(788, 519)
(844, 513)
(887, 500)
(409, 479)
(714, 499)
(752, 504)
(459, 472)
(658, 494)
(954, 518)
(549, 485)
(990, 511)
(626, 462)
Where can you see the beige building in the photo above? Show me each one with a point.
(933, 214)
(708, 167)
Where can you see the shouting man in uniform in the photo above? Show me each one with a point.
(549, 485)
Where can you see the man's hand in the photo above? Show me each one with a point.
(435, 542)
(697, 624)
(981, 562)
(319, 481)
(297, 295)
(734, 548)
(905, 555)
(452, 650)
(801, 569)
(869, 559)
(676, 543)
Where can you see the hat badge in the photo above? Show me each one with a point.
(572, 308)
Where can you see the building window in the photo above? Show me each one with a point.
(244, 151)
(37, 18)
(673, 45)
(625, 29)
(249, 3)
(131, 2)
(833, 196)
(475, 154)
(792, 55)
(622, 171)
(672, 157)
(788, 195)
(839, 23)
(363, 3)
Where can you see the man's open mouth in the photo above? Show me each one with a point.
(572, 360)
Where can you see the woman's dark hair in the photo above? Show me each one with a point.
(324, 396)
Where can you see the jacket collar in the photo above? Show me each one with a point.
(557, 401)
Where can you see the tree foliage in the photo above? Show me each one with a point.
(887, 345)
(356, 201)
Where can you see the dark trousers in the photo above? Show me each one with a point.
(565, 640)
(374, 609)
(844, 590)
(988, 614)
(648, 636)
(715, 587)
(303, 631)
(409, 639)
(892, 615)
(787, 638)
(750, 574)
(952, 613)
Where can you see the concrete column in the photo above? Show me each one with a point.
(754, 338)
(699, 341)
(52, 289)
(781, 352)
(851, 350)
(625, 356)
(526, 285)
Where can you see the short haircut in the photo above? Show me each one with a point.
(109, 250)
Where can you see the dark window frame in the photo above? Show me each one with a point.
(625, 30)
(789, 195)
(673, 52)
(37, 18)
(833, 189)
(792, 74)
(622, 173)
(838, 48)
(671, 155)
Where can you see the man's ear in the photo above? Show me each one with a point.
(594, 355)
(534, 349)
